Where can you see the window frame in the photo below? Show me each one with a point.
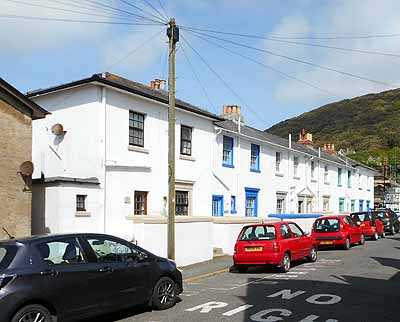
(135, 203)
(278, 161)
(233, 205)
(251, 193)
(135, 128)
(312, 169)
(341, 202)
(326, 174)
(186, 140)
(220, 200)
(281, 197)
(340, 172)
(349, 175)
(255, 148)
(80, 202)
(182, 204)
(296, 166)
(227, 140)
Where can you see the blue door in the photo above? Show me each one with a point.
(361, 205)
(217, 206)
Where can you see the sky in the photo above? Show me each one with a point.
(38, 54)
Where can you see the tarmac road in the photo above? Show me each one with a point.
(358, 285)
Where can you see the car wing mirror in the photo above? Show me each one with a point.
(307, 233)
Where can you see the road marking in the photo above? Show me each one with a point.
(199, 277)
(237, 310)
(297, 272)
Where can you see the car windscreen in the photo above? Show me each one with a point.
(380, 214)
(7, 254)
(361, 216)
(258, 233)
(327, 225)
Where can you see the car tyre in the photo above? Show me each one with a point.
(33, 313)
(383, 235)
(164, 294)
(241, 268)
(285, 263)
(347, 244)
(375, 236)
(392, 230)
(313, 254)
(362, 239)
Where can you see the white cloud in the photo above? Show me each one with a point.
(342, 18)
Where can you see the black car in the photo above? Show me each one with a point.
(77, 276)
(389, 219)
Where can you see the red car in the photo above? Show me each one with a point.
(337, 230)
(272, 244)
(370, 224)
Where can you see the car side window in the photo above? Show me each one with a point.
(60, 252)
(111, 251)
(296, 230)
(285, 232)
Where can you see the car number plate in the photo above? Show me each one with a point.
(326, 242)
(253, 249)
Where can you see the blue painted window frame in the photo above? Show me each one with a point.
(252, 193)
(256, 149)
(229, 141)
(220, 200)
(361, 205)
(233, 205)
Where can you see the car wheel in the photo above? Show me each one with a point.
(383, 235)
(32, 313)
(164, 295)
(313, 254)
(375, 236)
(241, 268)
(362, 239)
(392, 230)
(347, 245)
(285, 263)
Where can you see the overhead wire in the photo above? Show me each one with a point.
(77, 20)
(198, 80)
(299, 60)
(274, 39)
(154, 8)
(223, 80)
(142, 10)
(304, 37)
(141, 45)
(269, 67)
(163, 9)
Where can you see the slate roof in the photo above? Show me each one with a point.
(271, 138)
(129, 86)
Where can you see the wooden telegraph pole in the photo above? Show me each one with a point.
(173, 37)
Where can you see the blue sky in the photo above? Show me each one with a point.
(40, 54)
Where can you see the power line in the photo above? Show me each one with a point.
(309, 37)
(299, 60)
(154, 8)
(198, 79)
(58, 9)
(78, 20)
(222, 79)
(163, 9)
(269, 67)
(135, 50)
(140, 9)
(275, 39)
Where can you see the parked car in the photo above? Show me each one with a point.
(77, 276)
(389, 219)
(339, 230)
(272, 244)
(370, 224)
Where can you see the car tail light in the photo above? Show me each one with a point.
(5, 279)
(276, 247)
(387, 215)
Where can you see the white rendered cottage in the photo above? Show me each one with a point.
(101, 166)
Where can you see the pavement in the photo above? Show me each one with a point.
(358, 285)
(218, 265)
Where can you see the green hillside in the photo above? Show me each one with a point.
(369, 125)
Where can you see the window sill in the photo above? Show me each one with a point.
(255, 170)
(187, 157)
(296, 178)
(138, 149)
(360, 188)
(339, 185)
(327, 183)
(313, 180)
(228, 165)
(82, 214)
(278, 174)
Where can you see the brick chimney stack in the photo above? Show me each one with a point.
(329, 148)
(232, 112)
(305, 138)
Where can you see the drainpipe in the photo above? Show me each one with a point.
(318, 178)
(104, 103)
(238, 163)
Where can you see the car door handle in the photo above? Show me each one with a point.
(106, 269)
(49, 272)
